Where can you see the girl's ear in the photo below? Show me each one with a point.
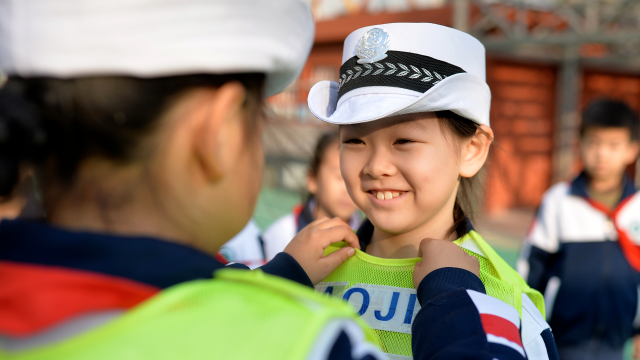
(312, 183)
(475, 151)
(218, 138)
(633, 152)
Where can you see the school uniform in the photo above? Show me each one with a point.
(246, 247)
(382, 292)
(57, 285)
(584, 258)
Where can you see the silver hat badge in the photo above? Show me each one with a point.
(373, 46)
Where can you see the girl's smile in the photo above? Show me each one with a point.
(403, 173)
(385, 160)
(384, 196)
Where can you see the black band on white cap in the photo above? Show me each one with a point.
(399, 69)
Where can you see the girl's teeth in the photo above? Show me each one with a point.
(386, 195)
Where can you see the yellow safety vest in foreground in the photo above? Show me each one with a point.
(239, 314)
(382, 291)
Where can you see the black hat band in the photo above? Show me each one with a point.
(399, 69)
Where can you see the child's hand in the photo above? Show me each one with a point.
(308, 247)
(438, 254)
(636, 347)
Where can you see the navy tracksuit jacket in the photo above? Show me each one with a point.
(573, 255)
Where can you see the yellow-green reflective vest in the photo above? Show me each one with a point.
(382, 290)
(239, 314)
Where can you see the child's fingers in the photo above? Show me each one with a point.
(341, 233)
(336, 259)
(424, 243)
(317, 221)
(329, 223)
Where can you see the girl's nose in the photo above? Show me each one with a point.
(379, 165)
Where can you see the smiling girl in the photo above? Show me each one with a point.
(413, 110)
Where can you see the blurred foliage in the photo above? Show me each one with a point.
(274, 203)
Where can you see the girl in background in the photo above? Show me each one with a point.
(245, 247)
(328, 198)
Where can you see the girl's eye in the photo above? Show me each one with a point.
(403, 141)
(353, 141)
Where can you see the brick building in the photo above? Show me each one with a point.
(525, 109)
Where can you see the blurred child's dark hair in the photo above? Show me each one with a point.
(54, 124)
(327, 139)
(608, 113)
(470, 189)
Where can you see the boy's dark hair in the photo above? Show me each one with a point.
(325, 140)
(607, 113)
(55, 124)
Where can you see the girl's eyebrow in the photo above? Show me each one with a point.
(363, 129)
(413, 124)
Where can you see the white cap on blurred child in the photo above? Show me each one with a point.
(150, 38)
(402, 68)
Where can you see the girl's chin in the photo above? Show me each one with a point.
(389, 226)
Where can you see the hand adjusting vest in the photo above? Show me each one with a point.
(382, 290)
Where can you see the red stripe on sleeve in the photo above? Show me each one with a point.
(501, 327)
(35, 297)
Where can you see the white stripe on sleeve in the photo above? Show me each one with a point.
(490, 305)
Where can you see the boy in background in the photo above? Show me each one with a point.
(583, 249)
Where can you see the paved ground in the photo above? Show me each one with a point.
(505, 231)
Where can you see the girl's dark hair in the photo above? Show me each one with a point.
(54, 124)
(325, 140)
(469, 190)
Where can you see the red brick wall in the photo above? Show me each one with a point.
(616, 86)
(522, 116)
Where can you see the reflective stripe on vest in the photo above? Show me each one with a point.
(382, 290)
(215, 318)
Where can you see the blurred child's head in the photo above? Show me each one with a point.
(405, 172)
(325, 182)
(159, 140)
(608, 139)
(187, 142)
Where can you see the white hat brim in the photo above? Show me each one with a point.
(464, 94)
(150, 38)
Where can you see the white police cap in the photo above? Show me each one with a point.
(402, 68)
(151, 38)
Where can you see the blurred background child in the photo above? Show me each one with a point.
(246, 247)
(328, 197)
(582, 250)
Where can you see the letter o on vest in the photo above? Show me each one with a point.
(365, 298)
